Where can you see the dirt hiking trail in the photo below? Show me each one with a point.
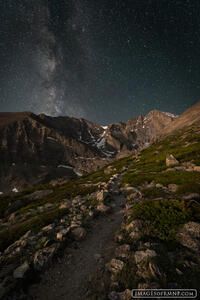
(68, 277)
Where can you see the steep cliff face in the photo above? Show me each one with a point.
(37, 148)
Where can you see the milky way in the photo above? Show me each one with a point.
(101, 60)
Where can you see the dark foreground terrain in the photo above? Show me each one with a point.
(135, 223)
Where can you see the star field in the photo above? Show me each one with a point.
(102, 60)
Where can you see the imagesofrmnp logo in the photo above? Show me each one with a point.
(164, 293)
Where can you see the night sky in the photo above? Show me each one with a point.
(105, 60)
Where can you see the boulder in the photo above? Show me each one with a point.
(122, 251)
(159, 186)
(171, 160)
(115, 266)
(78, 233)
(44, 256)
(101, 196)
(197, 168)
(21, 271)
(135, 229)
(155, 272)
(63, 234)
(143, 255)
(189, 236)
(173, 187)
(119, 237)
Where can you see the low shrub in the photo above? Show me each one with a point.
(163, 217)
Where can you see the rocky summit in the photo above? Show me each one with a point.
(133, 223)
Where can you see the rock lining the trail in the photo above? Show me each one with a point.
(42, 247)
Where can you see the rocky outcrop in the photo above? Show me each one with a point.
(189, 236)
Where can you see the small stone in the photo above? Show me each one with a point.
(159, 186)
(83, 207)
(63, 206)
(119, 237)
(12, 217)
(48, 228)
(91, 213)
(108, 170)
(179, 272)
(126, 295)
(97, 256)
(62, 234)
(103, 208)
(21, 271)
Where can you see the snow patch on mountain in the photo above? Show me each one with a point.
(170, 115)
(101, 143)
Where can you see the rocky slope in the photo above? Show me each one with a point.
(37, 148)
(188, 118)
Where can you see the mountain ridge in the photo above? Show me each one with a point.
(36, 149)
